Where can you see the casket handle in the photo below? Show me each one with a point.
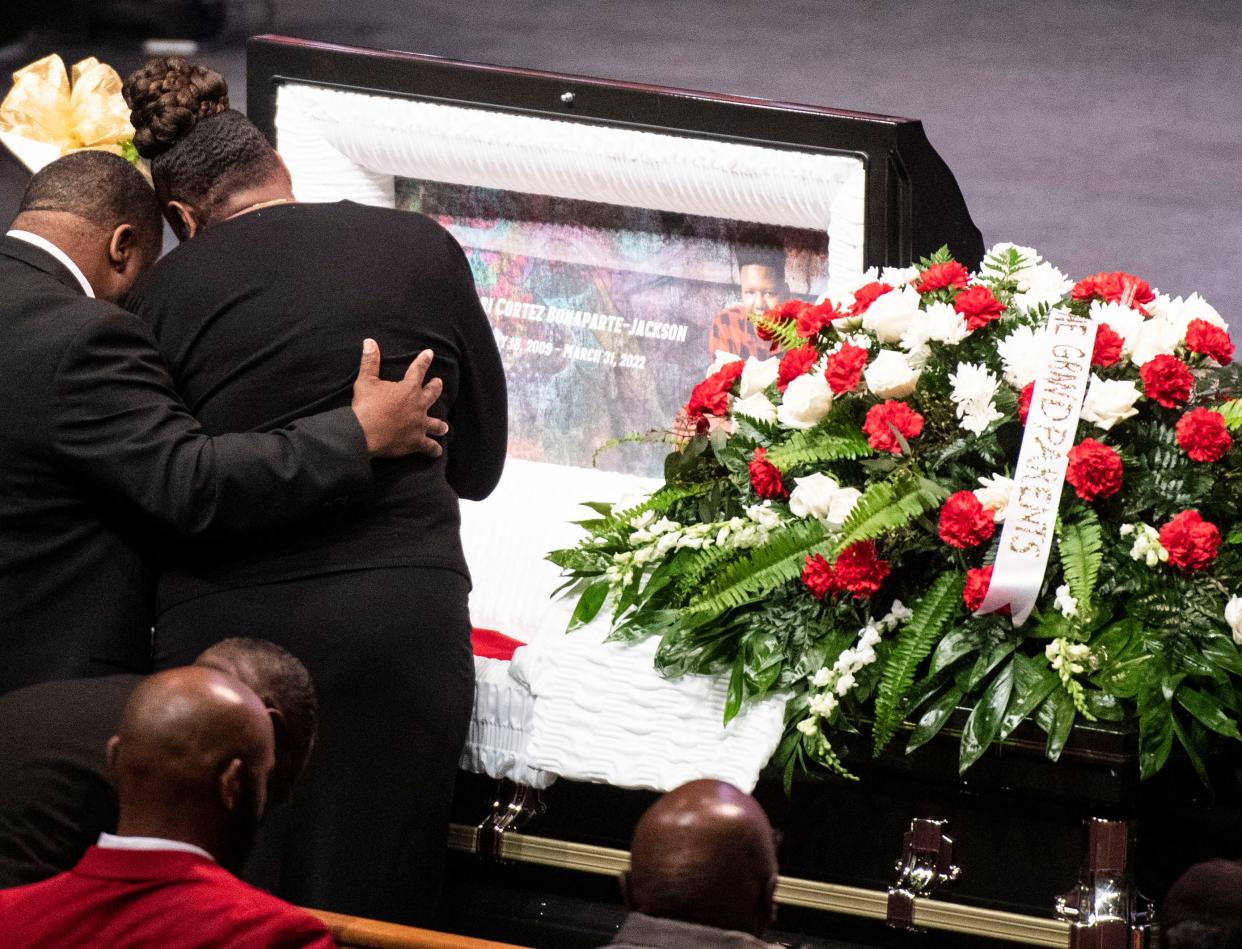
(926, 864)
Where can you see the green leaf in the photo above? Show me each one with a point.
(1081, 547)
(985, 719)
(956, 644)
(934, 717)
(988, 660)
(913, 643)
(784, 333)
(1155, 732)
(820, 445)
(763, 569)
(1063, 714)
(1033, 682)
(736, 692)
(1209, 712)
(589, 604)
(1125, 679)
(1103, 706)
(1193, 752)
(887, 505)
(1221, 651)
(1232, 411)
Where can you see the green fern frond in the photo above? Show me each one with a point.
(659, 502)
(914, 643)
(1232, 411)
(702, 563)
(1081, 546)
(887, 505)
(820, 445)
(763, 569)
(653, 436)
(783, 333)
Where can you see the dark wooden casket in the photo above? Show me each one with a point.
(468, 143)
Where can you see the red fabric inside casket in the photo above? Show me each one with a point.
(490, 644)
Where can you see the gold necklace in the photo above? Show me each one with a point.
(259, 205)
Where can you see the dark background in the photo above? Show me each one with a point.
(1105, 134)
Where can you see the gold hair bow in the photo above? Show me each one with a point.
(46, 115)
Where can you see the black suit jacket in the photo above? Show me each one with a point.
(55, 794)
(99, 458)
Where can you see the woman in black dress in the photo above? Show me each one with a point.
(257, 314)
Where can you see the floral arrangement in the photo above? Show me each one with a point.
(831, 528)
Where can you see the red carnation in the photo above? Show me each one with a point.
(1094, 470)
(845, 368)
(866, 295)
(1210, 340)
(1190, 540)
(978, 306)
(1024, 401)
(1108, 345)
(964, 521)
(941, 276)
(817, 577)
(785, 312)
(765, 477)
(859, 570)
(711, 396)
(793, 364)
(1201, 434)
(1166, 380)
(891, 413)
(977, 582)
(1112, 288)
(815, 318)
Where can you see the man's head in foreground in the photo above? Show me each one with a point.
(1203, 908)
(191, 761)
(704, 853)
(99, 210)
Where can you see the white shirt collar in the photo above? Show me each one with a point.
(113, 842)
(44, 244)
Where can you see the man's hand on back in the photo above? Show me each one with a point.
(393, 415)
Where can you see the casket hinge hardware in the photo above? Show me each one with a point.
(1105, 910)
(515, 806)
(926, 864)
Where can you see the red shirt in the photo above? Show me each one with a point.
(131, 899)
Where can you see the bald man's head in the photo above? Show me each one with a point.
(704, 853)
(192, 759)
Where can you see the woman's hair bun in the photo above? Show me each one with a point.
(167, 97)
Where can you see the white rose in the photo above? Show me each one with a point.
(841, 507)
(1040, 285)
(891, 314)
(807, 400)
(1019, 351)
(890, 375)
(756, 406)
(1122, 320)
(812, 495)
(1109, 401)
(1155, 337)
(1233, 616)
(995, 494)
(722, 359)
(758, 375)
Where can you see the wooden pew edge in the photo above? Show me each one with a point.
(355, 932)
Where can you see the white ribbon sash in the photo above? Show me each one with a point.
(1056, 403)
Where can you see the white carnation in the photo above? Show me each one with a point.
(758, 375)
(1040, 285)
(1109, 401)
(995, 494)
(812, 495)
(1233, 616)
(807, 400)
(890, 315)
(1019, 351)
(757, 406)
(890, 375)
(1122, 320)
(1029, 257)
(939, 323)
(974, 389)
(896, 276)
(1179, 312)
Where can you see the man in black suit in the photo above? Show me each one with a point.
(98, 455)
(56, 796)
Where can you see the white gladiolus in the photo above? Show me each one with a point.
(890, 315)
(757, 406)
(758, 375)
(1019, 352)
(765, 515)
(823, 704)
(807, 400)
(1109, 401)
(890, 376)
(809, 726)
(845, 683)
(994, 494)
(1233, 616)
(822, 677)
(1065, 602)
(1147, 547)
(812, 495)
